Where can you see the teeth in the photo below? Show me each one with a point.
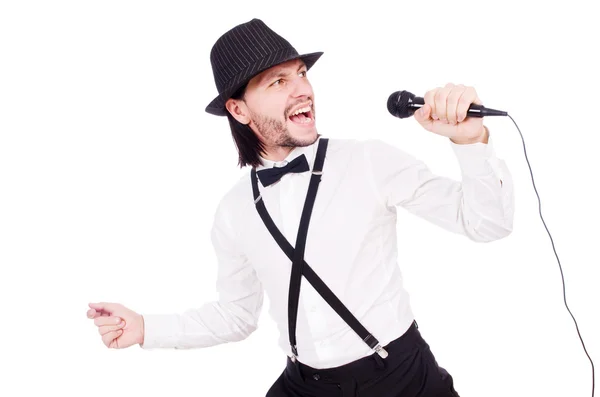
(301, 110)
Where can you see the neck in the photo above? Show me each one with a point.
(277, 153)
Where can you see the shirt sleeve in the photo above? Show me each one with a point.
(233, 317)
(480, 206)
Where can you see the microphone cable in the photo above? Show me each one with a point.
(554, 249)
(403, 104)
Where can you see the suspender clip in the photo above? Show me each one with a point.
(381, 351)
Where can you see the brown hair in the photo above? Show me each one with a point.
(248, 145)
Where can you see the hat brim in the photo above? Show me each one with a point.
(217, 105)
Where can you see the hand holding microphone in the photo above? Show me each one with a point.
(453, 111)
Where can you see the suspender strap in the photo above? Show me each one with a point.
(299, 265)
(298, 258)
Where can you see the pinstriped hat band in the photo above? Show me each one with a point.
(242, 53)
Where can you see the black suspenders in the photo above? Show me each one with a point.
(300, 267)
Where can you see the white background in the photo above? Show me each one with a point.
(110, 172)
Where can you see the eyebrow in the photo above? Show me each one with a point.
(279, 73)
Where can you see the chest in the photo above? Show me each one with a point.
(345, 212)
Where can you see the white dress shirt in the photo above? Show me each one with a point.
(351, 245)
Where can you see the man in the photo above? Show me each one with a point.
(335, 289)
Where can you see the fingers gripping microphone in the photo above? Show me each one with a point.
(403, 104)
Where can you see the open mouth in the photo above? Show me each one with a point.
(302, 116)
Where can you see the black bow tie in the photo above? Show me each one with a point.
(272, 175)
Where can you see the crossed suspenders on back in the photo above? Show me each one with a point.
(300, 267)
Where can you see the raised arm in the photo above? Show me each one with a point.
(480, 206)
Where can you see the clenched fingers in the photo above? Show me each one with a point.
(110, 338)
(112, 320)
(93, 313)
(452, 103)
(103, 330)
(467, 98)
(429, 100)
(439, 99)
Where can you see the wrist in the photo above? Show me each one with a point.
(483, 138)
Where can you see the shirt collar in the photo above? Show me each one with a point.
(308, 151)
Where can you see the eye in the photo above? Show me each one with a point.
(277, 81)
(304, 71)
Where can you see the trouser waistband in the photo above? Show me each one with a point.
(363, 369)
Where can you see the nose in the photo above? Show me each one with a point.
(301, 88)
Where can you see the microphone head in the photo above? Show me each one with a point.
(399, 104)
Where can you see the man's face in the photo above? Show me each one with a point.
(272, 98)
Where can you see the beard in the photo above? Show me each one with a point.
(276, 133)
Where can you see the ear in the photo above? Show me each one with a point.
(238, 110)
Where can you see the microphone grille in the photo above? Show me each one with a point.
(398, 104)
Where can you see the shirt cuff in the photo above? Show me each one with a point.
(477, 159)
(160, 331)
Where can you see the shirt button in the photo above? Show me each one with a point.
(313, 308)
(316, 376)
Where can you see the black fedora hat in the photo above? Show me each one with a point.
(245, 51)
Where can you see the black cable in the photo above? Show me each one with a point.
(560, 267)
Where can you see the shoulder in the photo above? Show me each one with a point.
(372, 152)
(378, 150)
(367, 149)
(359, 145)
(340, 148)
(239, 196)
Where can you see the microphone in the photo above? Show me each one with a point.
(403, 104)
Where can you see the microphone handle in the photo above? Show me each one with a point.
(474, 110)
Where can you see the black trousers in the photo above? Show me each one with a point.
(410, 370)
